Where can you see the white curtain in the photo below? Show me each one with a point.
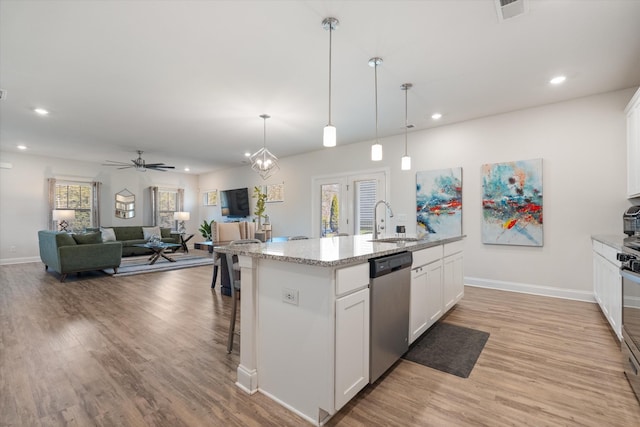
(155, 206)
(95, 210)
(52, 198)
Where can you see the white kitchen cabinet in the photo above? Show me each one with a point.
(352, 346)
(453, 274)
(437, 284)
(435, 295)
(633, 146)
(607, 284)
(426, 298)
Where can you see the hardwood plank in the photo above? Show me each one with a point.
(151, 350)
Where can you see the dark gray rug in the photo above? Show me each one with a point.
(448, 348)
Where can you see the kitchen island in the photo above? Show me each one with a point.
(304, 316)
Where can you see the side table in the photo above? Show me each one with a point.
(184, 238)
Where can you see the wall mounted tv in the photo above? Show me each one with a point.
(235, 203)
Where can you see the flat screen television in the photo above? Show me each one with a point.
(235, 203)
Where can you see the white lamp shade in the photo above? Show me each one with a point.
(376, 152)
(64, 214)
(329, 137)
(181, 216)
(406, 163)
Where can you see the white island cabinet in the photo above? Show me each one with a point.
(437, 284)
(305, 316)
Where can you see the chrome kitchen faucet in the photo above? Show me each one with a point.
(375, 217)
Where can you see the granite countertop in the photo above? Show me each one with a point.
(332, 251)
(613, 240)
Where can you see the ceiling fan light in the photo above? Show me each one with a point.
(405, 163)
(376, 152)
(329, 137)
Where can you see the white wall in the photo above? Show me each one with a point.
(581, 142)
(24, 207)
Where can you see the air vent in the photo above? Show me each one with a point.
(508, 9)
(3, 94)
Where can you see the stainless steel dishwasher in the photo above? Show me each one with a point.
(390, 286)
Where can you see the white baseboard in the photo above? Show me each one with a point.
(525, 288)
(25, 260)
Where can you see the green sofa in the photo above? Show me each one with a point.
(132, 235)
(66, 253)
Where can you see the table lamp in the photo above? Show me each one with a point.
(182, 217)
(62, 216)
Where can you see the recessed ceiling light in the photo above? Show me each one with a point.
(247, 154)
(22, 147)
(436, 116)
(557, 80)
(40, 111)
(187, 169)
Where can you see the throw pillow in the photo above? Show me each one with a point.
(87, 238)
(64, 239)
(150, 232)
(108, 234)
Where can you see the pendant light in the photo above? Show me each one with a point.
(329, 136)
(405, 164)
(376, 149)
(262, 161)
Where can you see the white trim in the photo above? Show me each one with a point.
(526, 288)
(24, 260)
(291, 408)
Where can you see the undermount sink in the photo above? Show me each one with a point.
(395, 239)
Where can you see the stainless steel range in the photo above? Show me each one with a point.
(630, 271)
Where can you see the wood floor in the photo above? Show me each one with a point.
(151, 350)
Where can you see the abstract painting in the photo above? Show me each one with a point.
(512, 203)
(439, 202)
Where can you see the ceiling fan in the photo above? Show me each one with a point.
(139, 164)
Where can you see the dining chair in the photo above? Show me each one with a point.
(234, 282)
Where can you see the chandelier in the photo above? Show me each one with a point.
(263, 161)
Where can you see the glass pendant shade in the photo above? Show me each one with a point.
(263, 161)
(376, 152)
(376, 149)
(329, 137)
(406, 163)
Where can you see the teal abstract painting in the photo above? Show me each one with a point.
(512, 203)
(439, 202)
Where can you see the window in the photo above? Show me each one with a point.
(168, 203)
(78, 197)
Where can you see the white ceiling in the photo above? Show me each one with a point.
(185, 81)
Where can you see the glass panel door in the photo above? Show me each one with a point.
(330, 195)
(344, 204)
(365, 200)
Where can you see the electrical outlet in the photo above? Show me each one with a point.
(290, 296)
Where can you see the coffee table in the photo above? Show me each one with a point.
(158, 250)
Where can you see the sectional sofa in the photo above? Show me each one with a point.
(73, 253)
(132, 235)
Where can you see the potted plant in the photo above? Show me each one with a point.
(205, 229)
(260, 204)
